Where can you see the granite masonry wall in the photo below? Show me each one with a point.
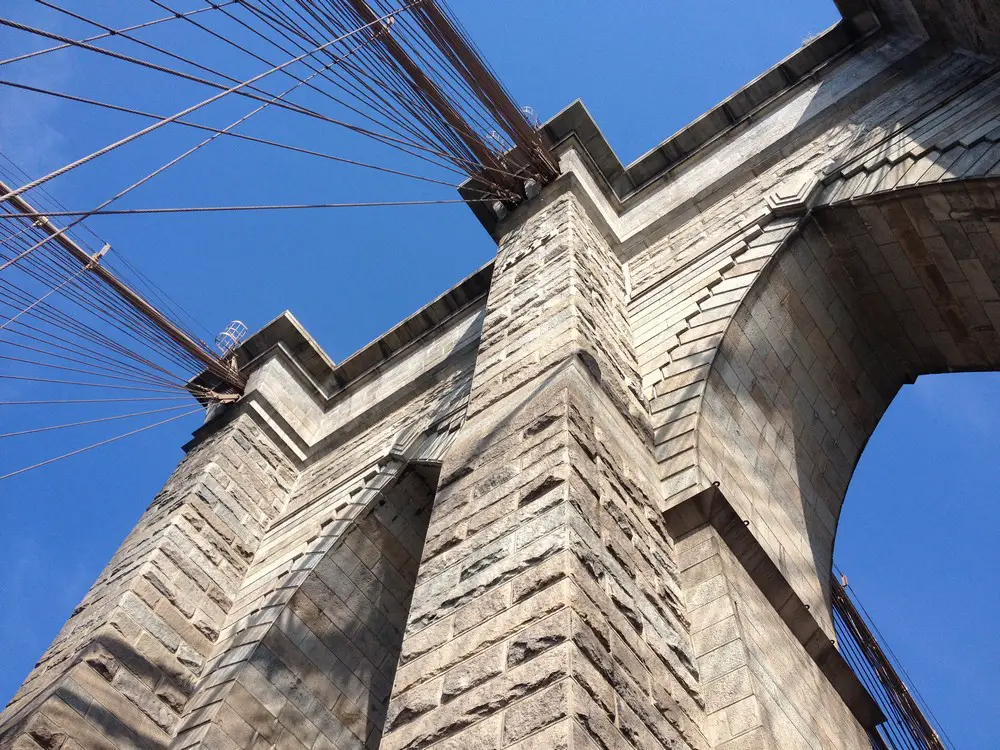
(589, 496)
(548, 611)
(123, 668)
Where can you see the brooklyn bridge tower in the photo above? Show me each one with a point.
(588, 497)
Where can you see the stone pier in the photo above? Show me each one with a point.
(588, 497)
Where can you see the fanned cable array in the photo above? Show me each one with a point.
(81, 347)
(82, 332)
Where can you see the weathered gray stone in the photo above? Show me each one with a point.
(454, 538)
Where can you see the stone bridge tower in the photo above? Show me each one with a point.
(588, 497)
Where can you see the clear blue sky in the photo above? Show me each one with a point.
(917, 536)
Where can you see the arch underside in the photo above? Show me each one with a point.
(862, 299)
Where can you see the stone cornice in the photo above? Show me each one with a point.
(625, 186)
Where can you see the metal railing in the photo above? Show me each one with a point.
(906, 727)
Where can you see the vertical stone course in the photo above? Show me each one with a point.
(760, 684)
(547, 608)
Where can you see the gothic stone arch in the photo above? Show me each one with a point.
(862, 298)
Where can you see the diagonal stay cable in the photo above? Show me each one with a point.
(391, 113)
(104, 369)
(97, 445)
(235, 209)
(142, 337)
(396, 143)
(431, 154)
(45, 296)
(12, 296)
(385, 73)
(76, 401)
(429, 125)
(85, 422)
(188, 110)
(65, 368)
(346, 85)
(114, 32)
(74, 324)
(188, 60)
(89, 358)
(51, 317)
(240, 136)
(83, 383)
(226, 40)
(60, 232)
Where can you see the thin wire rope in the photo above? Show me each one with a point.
(173, 55)
(302, 33)
(75, 401)
(44, 297)
(351, 86)
(132, 272)
(183, 113)
(259, 58)
(113, 32)
(60, 319)
(83, 332)
(471, 166)
(137, 326)
(386, 140)
(96, 445)
(403, 93)
(855, 660)
(90, 333)
(91, 357)
(73, 325)
(85, 422)
(446, 73)
(103, 293)
(45, 194)
(345, 84)
(79, 371)
(80, 383)
(163, 296)
(279, 207)
(220, 369)
(134, 377)
(169, 164)
(240, 136)
(145, 179)
(390, 70)
(904, 722)
(896, 661)
(418, 103)
(111, 301)
(49, 339)
(899, 665)
(14, 236)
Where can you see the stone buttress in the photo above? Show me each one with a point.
(547, 611)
